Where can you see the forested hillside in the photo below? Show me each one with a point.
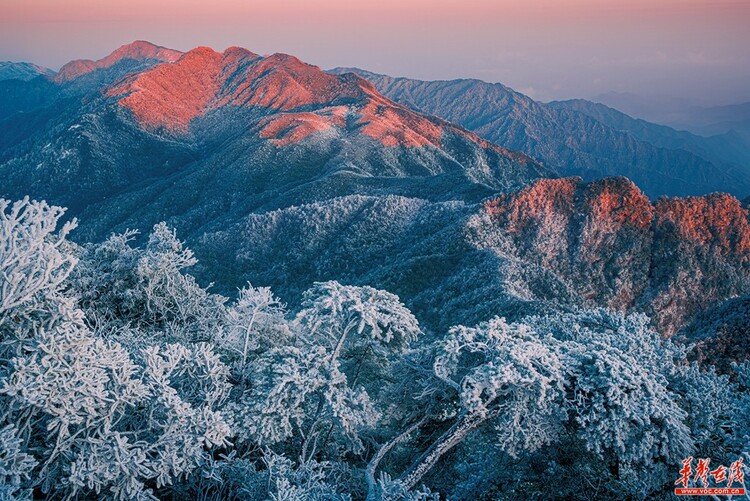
(123, 377)
(276, 283)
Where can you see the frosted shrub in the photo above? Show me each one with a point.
(305, 482)
(35, 260)
(365, 330)
(255, 323)
(593, 382)
(99, 419)
(501, 374)
(741, 426)
(519, 384)
(168, 293)
(621, 373)
(145, 288)
(299, 391)
(15, 466)
(332, 311)
(388, 488)
(319, 390)
(114, 425)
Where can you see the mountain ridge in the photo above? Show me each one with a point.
(566, 140)
(671, 258)
(247, 155)
(296, 125)
(140, 50)
(730, 147)
(10, 70)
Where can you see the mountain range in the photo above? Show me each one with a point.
(467, 199)
(682, 114)
(234, 117)
(580, 137)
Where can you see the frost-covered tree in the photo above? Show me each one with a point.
(255, 323)
(35, 260)
(109, 424)
(739, 402)
(502, 374)
(122, 377)
(317, 390)
(365, 330)
(621, 405)
(92, 416)
(145, 288)
(596, 382)
(272, 477)
(299, 391)
(345, 316)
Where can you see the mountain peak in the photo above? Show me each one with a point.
(297, 98)
(236, 52)
(22, 71)
(201, 52)
(140, 50)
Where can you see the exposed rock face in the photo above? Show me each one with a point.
(615, 248)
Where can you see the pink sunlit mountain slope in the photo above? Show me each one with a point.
(262, 120)
(299, 99)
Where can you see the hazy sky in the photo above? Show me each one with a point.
(695, 49)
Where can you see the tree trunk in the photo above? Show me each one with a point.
(372, 466)
(454, 436)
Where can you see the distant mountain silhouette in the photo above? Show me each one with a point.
(22, 71)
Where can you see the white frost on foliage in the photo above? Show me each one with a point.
(33, 261)
(124, 378)
(332, 311)
(520, 382)
(255, 323)
(15, 466)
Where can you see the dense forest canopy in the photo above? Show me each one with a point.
(121, 376)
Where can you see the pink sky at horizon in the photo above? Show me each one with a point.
(550, 49)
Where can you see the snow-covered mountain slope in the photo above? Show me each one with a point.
(554, 244)
(22, 71)
(281, 174)
(237, 131)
